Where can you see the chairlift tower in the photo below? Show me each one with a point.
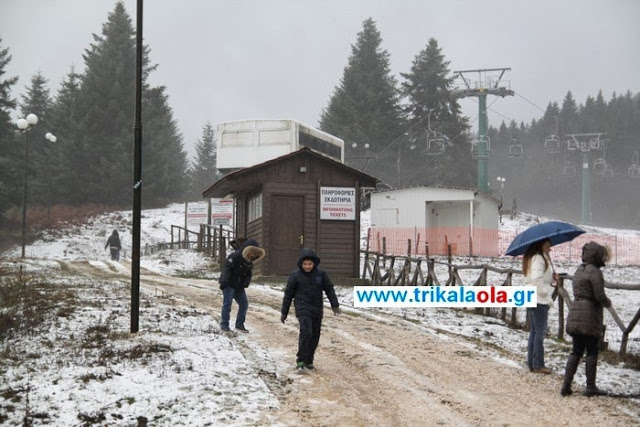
(586, 142)
(489, 82)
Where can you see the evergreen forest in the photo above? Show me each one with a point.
(405, 130)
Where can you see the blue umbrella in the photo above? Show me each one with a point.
(556, 231)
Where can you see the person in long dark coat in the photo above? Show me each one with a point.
(113, 243)
(585, 320)
(306, 285)
(235, 277)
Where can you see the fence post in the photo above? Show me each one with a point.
(172, 237)
(221, 249)
(366, 255)
(409, 248)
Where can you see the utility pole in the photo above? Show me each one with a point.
(585, 142)
(480, 88)
(137, 177)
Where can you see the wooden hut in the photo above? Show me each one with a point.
(301, 199)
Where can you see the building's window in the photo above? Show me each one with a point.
(255, 207)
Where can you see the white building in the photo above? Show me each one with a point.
(246, 143)
(465, 219)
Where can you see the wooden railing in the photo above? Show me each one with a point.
(392, 270)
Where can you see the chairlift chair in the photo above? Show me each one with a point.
(607, 173)
(599, 166)
(475, 152)
(594, 143)
(435, 146)
(515, 151)
(572, 145)
(634, 171)
(552, 144)
(569, 171)
(583, 146)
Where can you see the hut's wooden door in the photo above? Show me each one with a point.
(286, 233)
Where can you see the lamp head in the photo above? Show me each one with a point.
(32, 119)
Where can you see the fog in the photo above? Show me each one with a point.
(232, 60)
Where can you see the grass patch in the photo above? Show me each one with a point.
(26, 302)
(631, 361)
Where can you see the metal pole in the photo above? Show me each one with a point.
(24, 200)
(137, 179)
(483, 163)
(586, 189)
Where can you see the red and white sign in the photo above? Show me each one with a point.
(338, 203)
(197, 213)
(221, 211)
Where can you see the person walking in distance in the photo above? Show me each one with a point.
(306, 285)
(585, 320)
(234, 279)
(113, 243)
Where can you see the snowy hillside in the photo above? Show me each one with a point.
(80, 365)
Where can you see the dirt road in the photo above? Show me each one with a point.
(375, 369)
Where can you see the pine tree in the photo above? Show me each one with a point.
(428, 88)
(364, 108)
(164, 162)
(37, 100)
(106, 102)
(203, 170)
(569, 115)
(9, 152)
(65, 164)
(107, 106)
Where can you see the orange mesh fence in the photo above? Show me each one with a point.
(625, 249)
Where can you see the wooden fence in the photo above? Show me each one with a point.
(213, 240)
(391, 270)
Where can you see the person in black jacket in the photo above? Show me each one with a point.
(113, 243)
(235, 277)
(306, 285)
(585, 322)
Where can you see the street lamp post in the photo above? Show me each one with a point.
(501, 180)
(25, 126)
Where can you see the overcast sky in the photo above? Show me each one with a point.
(225, 60)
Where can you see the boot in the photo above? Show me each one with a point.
(569, 372)
(591, 367)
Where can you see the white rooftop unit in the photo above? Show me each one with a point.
(247, 143)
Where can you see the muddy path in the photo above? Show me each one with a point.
(376, 369)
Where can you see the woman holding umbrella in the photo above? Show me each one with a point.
(535, 243)
(538, 272)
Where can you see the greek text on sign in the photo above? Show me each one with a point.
(197, 213)
(221, 211)
(338, 203)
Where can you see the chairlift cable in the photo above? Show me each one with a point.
(529, 102)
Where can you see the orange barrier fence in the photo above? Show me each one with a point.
(625, 249)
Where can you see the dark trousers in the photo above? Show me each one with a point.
(309, 338)
(580, 342)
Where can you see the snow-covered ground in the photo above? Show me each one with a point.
(84, 366)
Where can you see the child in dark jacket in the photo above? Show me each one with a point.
(306, 285)
(235, 277)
